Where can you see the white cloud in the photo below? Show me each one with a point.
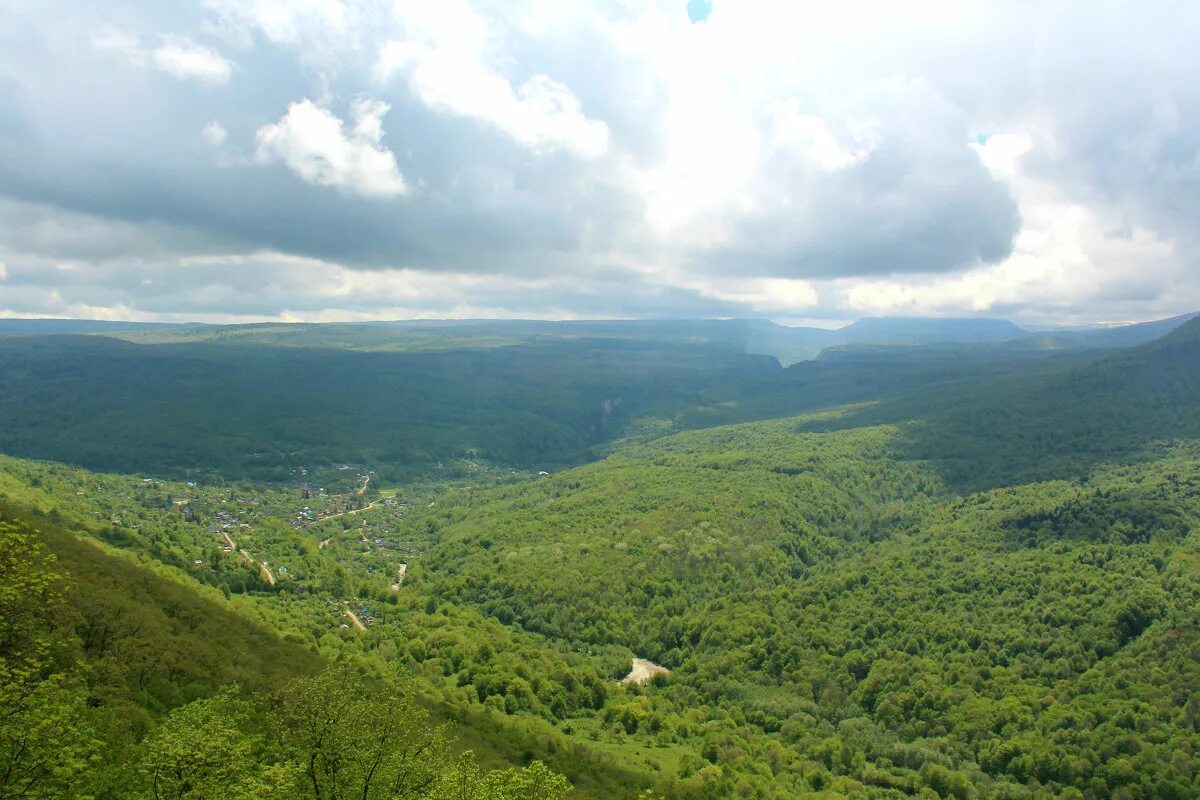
(280, 21)
(809, 137)
(764, 295)
(214, 134)
(442, 57)
(182, 58)
(118, 41)
(177, 56)
(317, 146)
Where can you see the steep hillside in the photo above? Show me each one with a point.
(129, 643)
(1007, 429)
(507, 696)
(159, 639)
(123, 683)
(1120, 335)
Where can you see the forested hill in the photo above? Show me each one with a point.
(264, 401)
(257, 411)
(1011, 428)
(977, 580)
(1180, 338)
(883, 330)
(840, 618)
(123, 680)
(1119, 335)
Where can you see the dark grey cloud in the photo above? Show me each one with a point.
(895, 212)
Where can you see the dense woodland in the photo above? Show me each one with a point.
(238, 412)
(932, 570)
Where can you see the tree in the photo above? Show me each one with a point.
(344, 736)
(466, 781)
(203, 750)
(45, 743)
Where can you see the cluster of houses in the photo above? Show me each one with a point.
(302, 518)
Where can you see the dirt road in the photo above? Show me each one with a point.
(242, 554)
(644, 671)
(401, 571)
(355, 620)
(262, 566)
(351, 512)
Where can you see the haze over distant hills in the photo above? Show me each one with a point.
(789, 344)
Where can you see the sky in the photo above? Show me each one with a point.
(319, 160)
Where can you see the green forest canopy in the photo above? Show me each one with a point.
(977, 581)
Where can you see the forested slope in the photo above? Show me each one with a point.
(1005, 429)
(254, 411)
(979, 582)
(252, 402)
(842, 616)
(121, 681)
(166, 617)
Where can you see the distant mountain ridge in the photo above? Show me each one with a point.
(752, 336)
(1123, 335)
(1047, 425)
(48, 326)
(922, 330)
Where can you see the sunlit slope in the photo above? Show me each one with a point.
(831, 606)
(142, 620)
(153, 639)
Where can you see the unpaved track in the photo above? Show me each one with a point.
(355, 620)
(242, 554)
(401, 571)
(643, 671)
(262, 566)
(351, 512)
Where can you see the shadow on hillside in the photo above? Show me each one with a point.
(177, 643)
(1005, 431)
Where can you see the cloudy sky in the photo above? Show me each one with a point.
(228, 160)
